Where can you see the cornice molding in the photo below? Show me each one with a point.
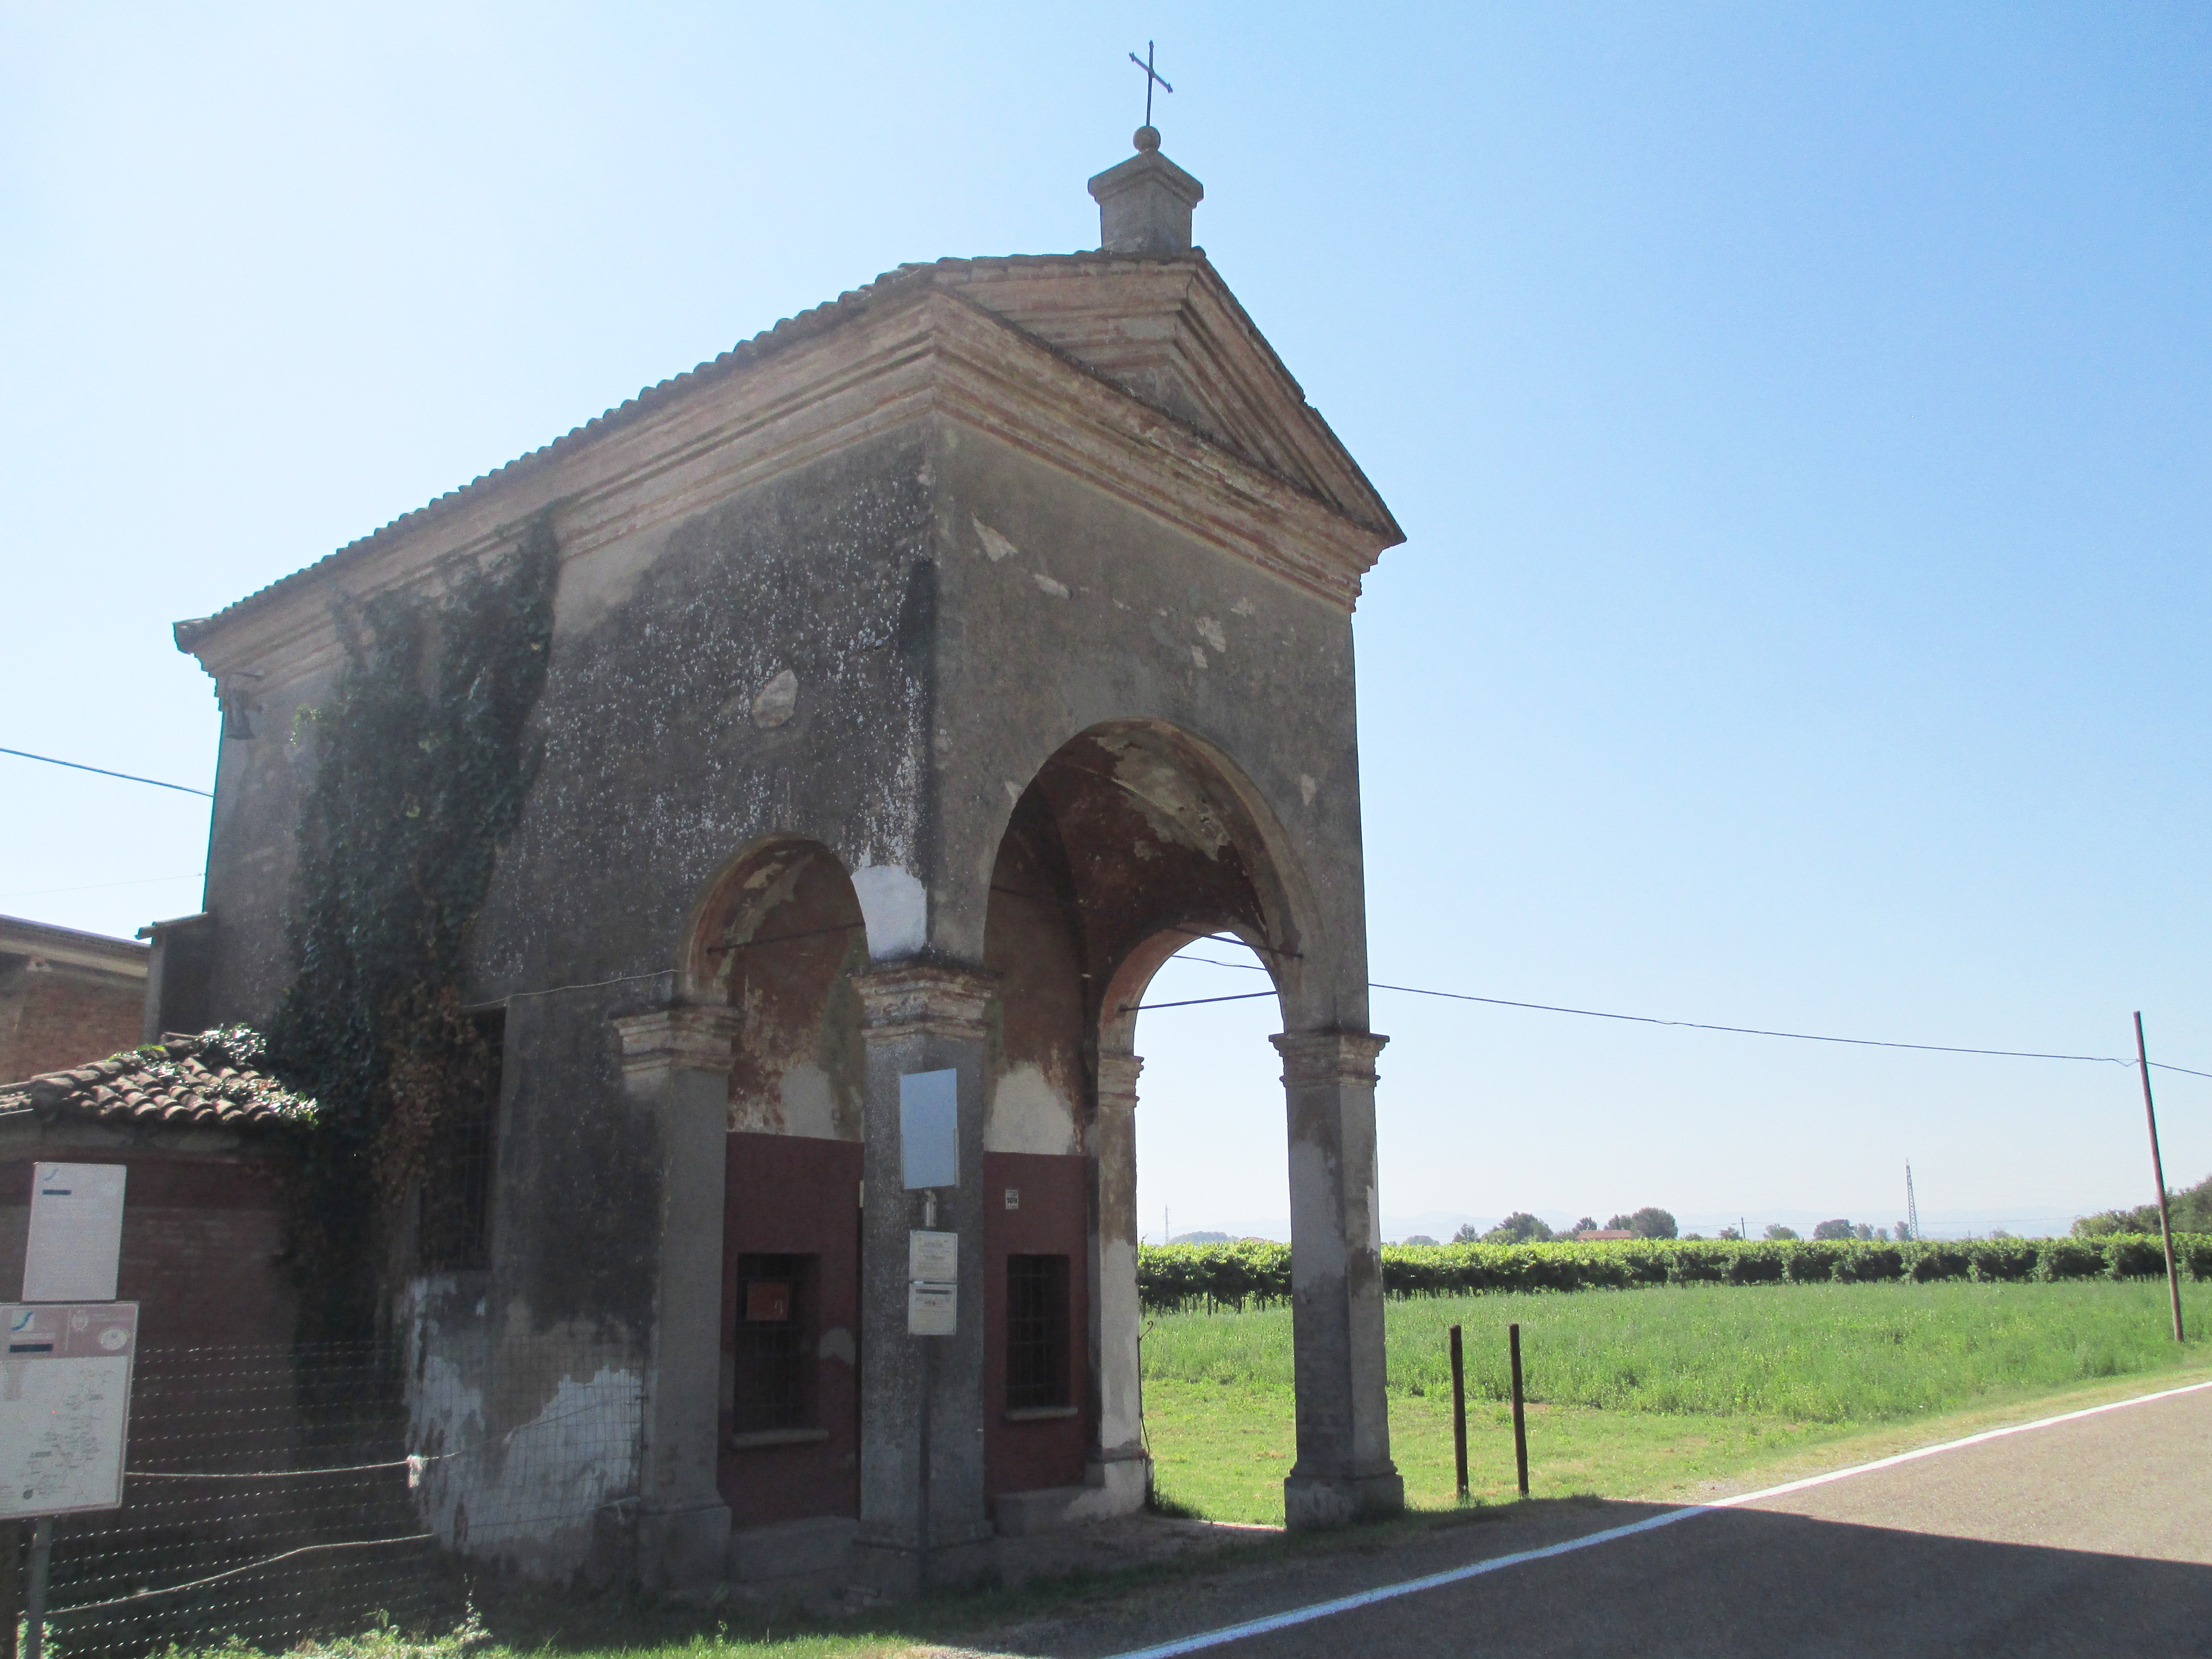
(1117, 1080)
(925, 998)
(924, 350)
(1324, 1057)
(700, 1037)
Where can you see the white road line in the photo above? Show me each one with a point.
(1214, 1638)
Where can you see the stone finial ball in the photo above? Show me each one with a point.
(1147, 139)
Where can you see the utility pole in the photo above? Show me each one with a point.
(2158, 1176)
(1912, 1206)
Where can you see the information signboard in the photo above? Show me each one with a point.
(64, 1405)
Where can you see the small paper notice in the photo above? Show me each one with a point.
(76, 1232)
(64, 1405)
(933, 1266)
(931, 1310)
(932, 1257)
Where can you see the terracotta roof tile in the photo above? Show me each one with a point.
(202, 1079)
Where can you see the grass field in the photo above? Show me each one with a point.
(1635, 1393)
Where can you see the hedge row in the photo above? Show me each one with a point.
(1257, 1272)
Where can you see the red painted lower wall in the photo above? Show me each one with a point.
(1054, 1219)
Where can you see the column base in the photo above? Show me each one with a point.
(1312, 1501)
(684, 1553)
(900, 1572)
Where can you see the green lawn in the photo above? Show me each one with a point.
(1635, 1393)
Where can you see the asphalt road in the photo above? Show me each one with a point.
(2092, 1536)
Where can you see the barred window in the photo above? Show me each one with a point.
(1036, 1332)
(774, 1374)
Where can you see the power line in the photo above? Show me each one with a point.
(1684, 1025)
(1406, 990)
(128, 777)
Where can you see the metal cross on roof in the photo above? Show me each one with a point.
(1151, 75)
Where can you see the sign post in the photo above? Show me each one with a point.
(64, 1418)
(65, 1376)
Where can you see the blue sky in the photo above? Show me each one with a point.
(1797, 415)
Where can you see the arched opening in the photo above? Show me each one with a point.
(778, 939)
(1132, 841)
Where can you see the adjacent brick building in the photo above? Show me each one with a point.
(65, 997)
(202, 1227)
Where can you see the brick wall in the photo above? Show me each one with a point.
(201, 1236)
(52, 1018)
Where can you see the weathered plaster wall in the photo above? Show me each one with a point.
(1066, 609)
(669, 745)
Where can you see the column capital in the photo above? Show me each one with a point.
(925, 998)
(1310, 1057)
(1117, 1080)
(688, 1037)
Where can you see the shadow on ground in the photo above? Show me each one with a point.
(1733, 1582)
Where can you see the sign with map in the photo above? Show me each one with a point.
(64, 1405)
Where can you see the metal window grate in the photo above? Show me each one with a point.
(1036, 1332)
(773, 1385)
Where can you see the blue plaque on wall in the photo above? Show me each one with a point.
(929, 1128)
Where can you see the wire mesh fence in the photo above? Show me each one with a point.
(275, 1494)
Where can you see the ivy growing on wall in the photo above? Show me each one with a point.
(422, 759)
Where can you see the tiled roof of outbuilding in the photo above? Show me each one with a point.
(182, 1082)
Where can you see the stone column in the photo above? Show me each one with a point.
(1343, 1469)
(1118, 1463)
(676, 1070)
(924, 1522)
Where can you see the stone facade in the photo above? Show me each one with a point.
(926, 671)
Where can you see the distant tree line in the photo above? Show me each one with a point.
(2190, 1206)
(1257, 1273)
(1522, 1228)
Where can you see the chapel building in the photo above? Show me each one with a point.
(922, 674)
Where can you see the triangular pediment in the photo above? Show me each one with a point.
(1168, 332)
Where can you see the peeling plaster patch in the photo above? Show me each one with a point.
(837, 1344)
(896, 907)
(1210, 631)
(496, 1507)
(773, 706)
(1119, 1319)
(1174, 809)
(1057, 590)
(1027, 1116)
(1307, 787)
(1244, 608)
(1198, 656)
(810, 1103)
(997, 547)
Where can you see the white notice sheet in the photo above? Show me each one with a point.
(76, 1232)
